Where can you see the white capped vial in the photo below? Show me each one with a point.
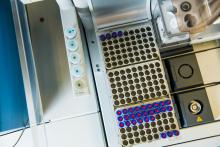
(72, 45)
(77, 71)
(70, 32)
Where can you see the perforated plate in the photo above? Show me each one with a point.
(146, 123)
(136, 83)
(128, 45)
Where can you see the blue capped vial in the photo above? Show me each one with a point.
(124, 111)
(163, 109)
(146, 119)
(156, 104)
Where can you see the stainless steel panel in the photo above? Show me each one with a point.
(114, 12)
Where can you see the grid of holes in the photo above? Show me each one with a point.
(148, 132)
(136, 45)
(137, 83)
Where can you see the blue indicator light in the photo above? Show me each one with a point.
(114, 34)
(169, 134)
(102, 37)
(120, 33)
(121, 125)
(120, 118)
(163, 135)
(108, 36)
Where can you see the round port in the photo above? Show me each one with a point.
(72, 45)
(79, 84)
(77, 71)
(75, 58)
(70, 32)
(195, 107)
(186, 6)
(185, 71)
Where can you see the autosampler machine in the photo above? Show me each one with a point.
(148, 70)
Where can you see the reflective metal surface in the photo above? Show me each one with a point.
(108, 13)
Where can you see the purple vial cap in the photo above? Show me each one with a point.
(176, 132)
(131, 110)
(114, 34)
(149, 106)
(137, 108)
(108, 36)
(102, 37)
(163, 109)
(124, 111)
(151, 112)
(146, 119)
(118, 112)
(132, 116)
(169, 134)
(121, 124)
(163, 135)
(157, 111)
(120, 33)
(144, 113)
(168, 102)
(155, 104)
(169, 108)
(140, 120)
(120, 118)
(127, 123)
(134, 122)
(162, 103)
(152, 118)
(126, 117)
